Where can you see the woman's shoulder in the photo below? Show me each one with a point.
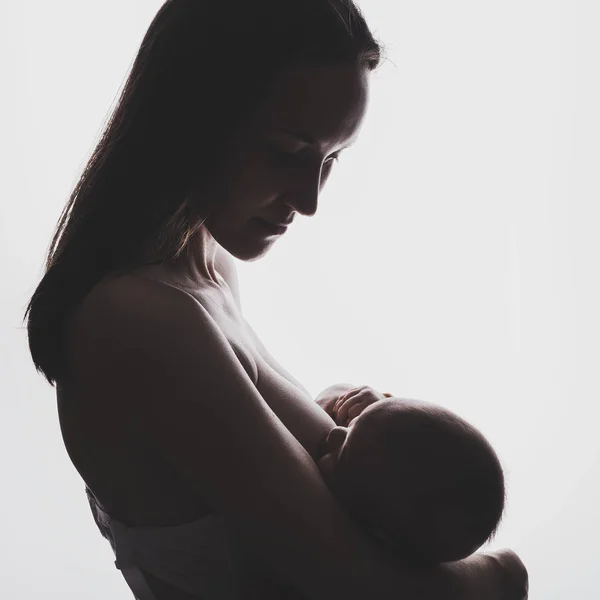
(131, 317)
(122, 305)
(131, 283)
(118, 294)
(137, 346)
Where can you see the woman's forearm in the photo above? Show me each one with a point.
(359, 570)
(474, 578)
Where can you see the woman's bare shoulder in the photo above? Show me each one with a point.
(131, 286)
(126, 305)
(116, 294)
(110, 303)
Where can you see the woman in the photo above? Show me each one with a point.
(171, 408)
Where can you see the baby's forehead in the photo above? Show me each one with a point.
(401, 408)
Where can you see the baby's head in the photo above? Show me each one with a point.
(418, 477)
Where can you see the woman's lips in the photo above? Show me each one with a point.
(272, 229)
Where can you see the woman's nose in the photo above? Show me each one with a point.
(304, 198)
(304, 203)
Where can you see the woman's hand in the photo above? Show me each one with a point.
(351, 404)
(499, 575)
(514, 573)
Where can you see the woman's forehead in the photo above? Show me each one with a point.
(325, 104)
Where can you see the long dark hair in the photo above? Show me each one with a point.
(202, 69)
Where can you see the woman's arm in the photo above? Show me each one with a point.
(158, 354)
(483, 576)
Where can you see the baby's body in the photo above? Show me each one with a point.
(417, 477)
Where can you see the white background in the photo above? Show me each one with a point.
(453, 258)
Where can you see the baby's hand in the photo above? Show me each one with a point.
(351, 404)
(329, 396)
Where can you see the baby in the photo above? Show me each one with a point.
(421, 481)
(418, 478)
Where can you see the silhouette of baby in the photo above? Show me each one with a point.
(419, 479)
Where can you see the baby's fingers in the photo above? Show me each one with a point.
(350, 408)
(357, 409)
(344, 398)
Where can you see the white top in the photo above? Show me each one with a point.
(198, 557)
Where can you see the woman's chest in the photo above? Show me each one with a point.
(286, 397)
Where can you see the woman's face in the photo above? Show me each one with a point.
(280, 161)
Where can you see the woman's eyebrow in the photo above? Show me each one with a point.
(307, 139)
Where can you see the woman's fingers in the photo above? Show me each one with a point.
(515, 574)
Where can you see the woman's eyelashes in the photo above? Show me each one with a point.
(333, 158)
(289, 157)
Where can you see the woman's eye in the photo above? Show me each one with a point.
(288, 157)
(292, 155)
